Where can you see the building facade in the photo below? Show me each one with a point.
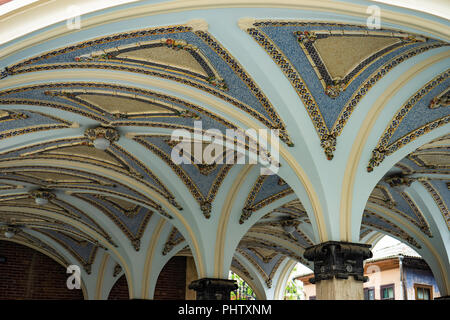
(391, 278)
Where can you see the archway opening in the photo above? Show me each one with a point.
(244, 291)
(120, 290)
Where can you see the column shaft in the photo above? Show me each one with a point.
(339, 289)
(191, 276)
(339, 269)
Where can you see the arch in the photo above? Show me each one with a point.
(283, 279)
(366, 129)
(429, 253)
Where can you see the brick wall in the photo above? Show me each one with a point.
(120, 290)
(171, 284)
(29, 274)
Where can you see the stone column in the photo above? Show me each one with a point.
(213, 289)
(339, 269)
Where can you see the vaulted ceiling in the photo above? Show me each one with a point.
(362, 117)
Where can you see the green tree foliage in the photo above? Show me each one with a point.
(244, 291)
(294, 290)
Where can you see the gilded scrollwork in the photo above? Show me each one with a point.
(333, 87)
(385, 147)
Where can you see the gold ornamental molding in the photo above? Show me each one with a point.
(237, 116)
(133, 184)
(327, 6)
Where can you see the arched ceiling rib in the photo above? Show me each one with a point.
(429, 166)
(206, 65)
(396, 196)
(392, 193)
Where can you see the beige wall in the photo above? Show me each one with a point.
(376, 280)
(385, 277)
(309, 290)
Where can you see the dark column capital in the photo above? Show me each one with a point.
(213, 289)
(335, 259)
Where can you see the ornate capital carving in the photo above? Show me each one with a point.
(205, 206)
(333, 90)
(328, 143)
(44, 194)
(378, 155)
(306, 36)
(334, 259)
(117, 270)
(399, 182)
(213, 289)
(167, 247)
(246, 213)
(136, 244)
(110, 134)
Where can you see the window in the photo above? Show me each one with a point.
(423, 292)
(387, 292)
(369, 293)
